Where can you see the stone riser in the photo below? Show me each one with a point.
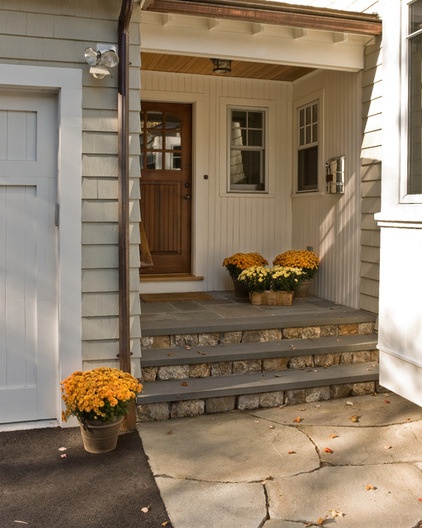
(240, 367)
(255, 336)
(195, 407)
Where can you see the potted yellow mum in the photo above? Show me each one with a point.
(239, 262)
(271, 286)
(304, 259)
(99, 398)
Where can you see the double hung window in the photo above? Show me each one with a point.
(247, 150)
(414, 146)
(307, 161)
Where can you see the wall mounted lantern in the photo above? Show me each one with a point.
(221, 66)
(101, 59)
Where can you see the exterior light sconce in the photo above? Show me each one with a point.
(101, 60)
(221, 66)
(334, 175)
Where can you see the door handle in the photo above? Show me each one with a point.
(187, 197)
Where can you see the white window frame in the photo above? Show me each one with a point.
(267, 106)
(247, 187)
(405, 197)
(317, 97)
(307, 145)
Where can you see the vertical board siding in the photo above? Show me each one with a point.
(58, 33)
(331, 223)
(234, 222)
(274, 223)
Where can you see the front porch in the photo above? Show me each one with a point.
(227, 312)
(205, 356)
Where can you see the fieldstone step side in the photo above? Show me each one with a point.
(257, 350)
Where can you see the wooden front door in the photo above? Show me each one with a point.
(166, 186)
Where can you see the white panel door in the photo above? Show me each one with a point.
(28, 257)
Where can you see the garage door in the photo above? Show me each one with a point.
(28, 257)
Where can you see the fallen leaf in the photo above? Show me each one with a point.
(201, 353)
(20, 522)
(298, 419)
(170, 354)
(170, 431)
(291, 452)
(63, 455)
(145, 509)
(184, 384)
(388, 447)
(350, 403)
(272, 427)
(370, 487)
(420, 500)
(328, 450)
(332, 436)
(165, 523)
(387, 401)
(321, 521)
(354, 418)
(187, 347)
(62, 448)
(292, 347)
(335, 513)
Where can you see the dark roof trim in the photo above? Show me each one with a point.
(263, 12)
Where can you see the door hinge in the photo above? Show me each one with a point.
(57, 215)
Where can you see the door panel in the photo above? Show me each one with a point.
(166, 185)
(28, 291)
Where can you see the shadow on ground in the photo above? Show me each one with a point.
(45, 486)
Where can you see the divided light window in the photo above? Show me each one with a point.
(414, 182)
(307, 162)
(247, 150)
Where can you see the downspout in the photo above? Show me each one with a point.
(123, 184)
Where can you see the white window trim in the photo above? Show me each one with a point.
(318, 97)
(67, 82)
(405, 197)
(268, 107)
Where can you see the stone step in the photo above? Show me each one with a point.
(257, 350)
(176, 398)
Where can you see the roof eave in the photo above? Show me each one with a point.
(274, 13)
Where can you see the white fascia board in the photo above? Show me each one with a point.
(196, 36)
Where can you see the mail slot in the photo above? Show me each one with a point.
(334, 175)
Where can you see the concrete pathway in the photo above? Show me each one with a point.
(353, 463)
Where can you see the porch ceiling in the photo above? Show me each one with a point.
(203, 66)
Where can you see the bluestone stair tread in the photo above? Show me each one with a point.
(257, 350)
(284, 318)
(268, 381)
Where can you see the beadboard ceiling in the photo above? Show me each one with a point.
(203, 66)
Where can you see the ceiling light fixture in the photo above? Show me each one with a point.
(101, 59)
(221, 66)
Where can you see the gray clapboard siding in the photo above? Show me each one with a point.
(49, 33)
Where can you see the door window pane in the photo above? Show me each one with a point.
(161, 141)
